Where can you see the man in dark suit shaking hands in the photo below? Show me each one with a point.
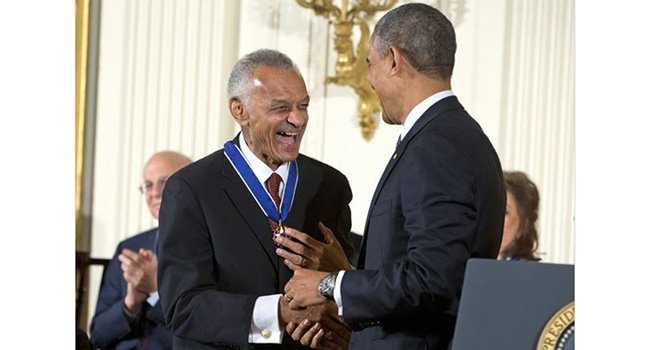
(439, 202)
(220, 279)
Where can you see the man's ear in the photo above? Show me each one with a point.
(398, 60)
(237, 111)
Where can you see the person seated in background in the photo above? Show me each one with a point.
(520, 240)
(128, 315)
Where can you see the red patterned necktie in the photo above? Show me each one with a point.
(273, 186)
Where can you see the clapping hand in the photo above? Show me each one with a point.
(139, 271)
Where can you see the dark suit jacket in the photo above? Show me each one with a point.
(356, 239)
(110, 328)
(440, 201)
(216, 253)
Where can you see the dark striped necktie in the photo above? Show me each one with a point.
(273, 186)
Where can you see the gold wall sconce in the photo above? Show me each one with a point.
(350, 66)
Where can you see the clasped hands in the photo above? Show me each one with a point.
(309, 317)
(139, 270)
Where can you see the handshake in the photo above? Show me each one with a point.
(307, 316)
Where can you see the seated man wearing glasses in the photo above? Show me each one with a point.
(128, 315)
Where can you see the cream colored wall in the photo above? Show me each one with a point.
(162, 71)
(537, 127)
(164, 67)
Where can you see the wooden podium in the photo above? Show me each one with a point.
(517, 305)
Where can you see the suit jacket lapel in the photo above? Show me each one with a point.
(309, 179)
(438, 108)
(250, 212)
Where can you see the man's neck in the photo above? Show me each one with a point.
(259, 154)
(261, 169)
(420, 89)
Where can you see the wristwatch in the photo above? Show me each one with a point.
(326, 286)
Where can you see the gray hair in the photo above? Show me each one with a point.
(422, 34)
(240, 82)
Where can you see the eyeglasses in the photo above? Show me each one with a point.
(148, 186)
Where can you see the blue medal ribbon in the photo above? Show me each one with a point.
(260, 194)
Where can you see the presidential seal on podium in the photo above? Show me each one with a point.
(559, 332)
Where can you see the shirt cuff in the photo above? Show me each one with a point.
(265, 325)
(337, 291)
(153, 298)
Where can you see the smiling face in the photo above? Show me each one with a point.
(274, 117)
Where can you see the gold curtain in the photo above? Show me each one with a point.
(81, 60)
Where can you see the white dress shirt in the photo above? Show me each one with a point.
(265, 325)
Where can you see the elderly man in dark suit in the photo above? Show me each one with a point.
(439, 202)
(220, 278)
(128, 314)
